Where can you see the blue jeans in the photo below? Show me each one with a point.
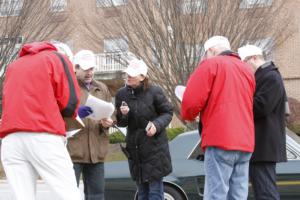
(93, 179)
(153, 190)
(226, 174)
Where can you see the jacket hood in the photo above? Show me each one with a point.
(36, 47)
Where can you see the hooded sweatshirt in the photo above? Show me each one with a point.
(38, 91)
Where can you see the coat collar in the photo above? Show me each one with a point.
(93, 85)
(229, 53)
(267, 66)
(137, 90)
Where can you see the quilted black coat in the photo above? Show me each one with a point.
(148, 157)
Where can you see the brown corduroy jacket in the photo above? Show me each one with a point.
(90, 145)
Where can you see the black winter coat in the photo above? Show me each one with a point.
(149, 157)
(269, 115)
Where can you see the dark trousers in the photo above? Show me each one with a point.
(263, 180)
(93, 179)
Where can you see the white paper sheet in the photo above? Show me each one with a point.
(78, 119)
(72, 133)
(101, 109)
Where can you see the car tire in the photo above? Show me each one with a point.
(172, 193)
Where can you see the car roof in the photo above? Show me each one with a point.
(186, 143)
(182, 145)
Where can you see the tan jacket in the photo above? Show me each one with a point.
(90, 145)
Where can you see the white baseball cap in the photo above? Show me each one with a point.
(63, 49)
(86, 59)
(249, 50)
(217, 41)
(136, 67)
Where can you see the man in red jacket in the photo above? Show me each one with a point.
(40, 89)
(222, 89)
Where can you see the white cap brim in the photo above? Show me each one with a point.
(131, 72)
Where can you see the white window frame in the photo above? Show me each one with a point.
(246, 4)
(193, 6)
(11, 7)
(110, 3)
(58, 5)
(115, 45)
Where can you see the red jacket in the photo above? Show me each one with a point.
(222, 90)
(37, 92)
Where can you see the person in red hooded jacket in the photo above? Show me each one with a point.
(40, 89)
(222, 89)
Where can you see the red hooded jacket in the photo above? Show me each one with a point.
(38, 92)
(222, 89)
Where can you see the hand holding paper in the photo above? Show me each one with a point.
(107, 122)
(84, 111)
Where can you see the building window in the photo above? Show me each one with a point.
(11, 7)
(255, 3)
(115, 45)
(58, 5)
(193, 6)
(110, 3)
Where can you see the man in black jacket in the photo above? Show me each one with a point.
(269, 119)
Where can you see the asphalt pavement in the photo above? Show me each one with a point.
(43, 191)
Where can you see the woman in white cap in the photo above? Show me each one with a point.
(146, 112)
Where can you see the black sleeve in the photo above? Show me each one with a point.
(71, 106)
(163, 109)
(267, 95)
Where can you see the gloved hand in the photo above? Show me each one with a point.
(84, 111)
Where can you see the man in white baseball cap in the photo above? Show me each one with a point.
(89, 148)
(249, 50)
(222, 88)
(86, 59)
(216, 44)
(270, 102)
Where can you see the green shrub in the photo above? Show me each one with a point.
(173, 132)
(118, 137)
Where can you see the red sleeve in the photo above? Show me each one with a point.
(198, 90)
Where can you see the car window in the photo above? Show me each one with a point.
(292, 149)
(183, 145)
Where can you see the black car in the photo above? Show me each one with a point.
(186, 182)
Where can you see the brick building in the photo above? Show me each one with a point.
(109, 49)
